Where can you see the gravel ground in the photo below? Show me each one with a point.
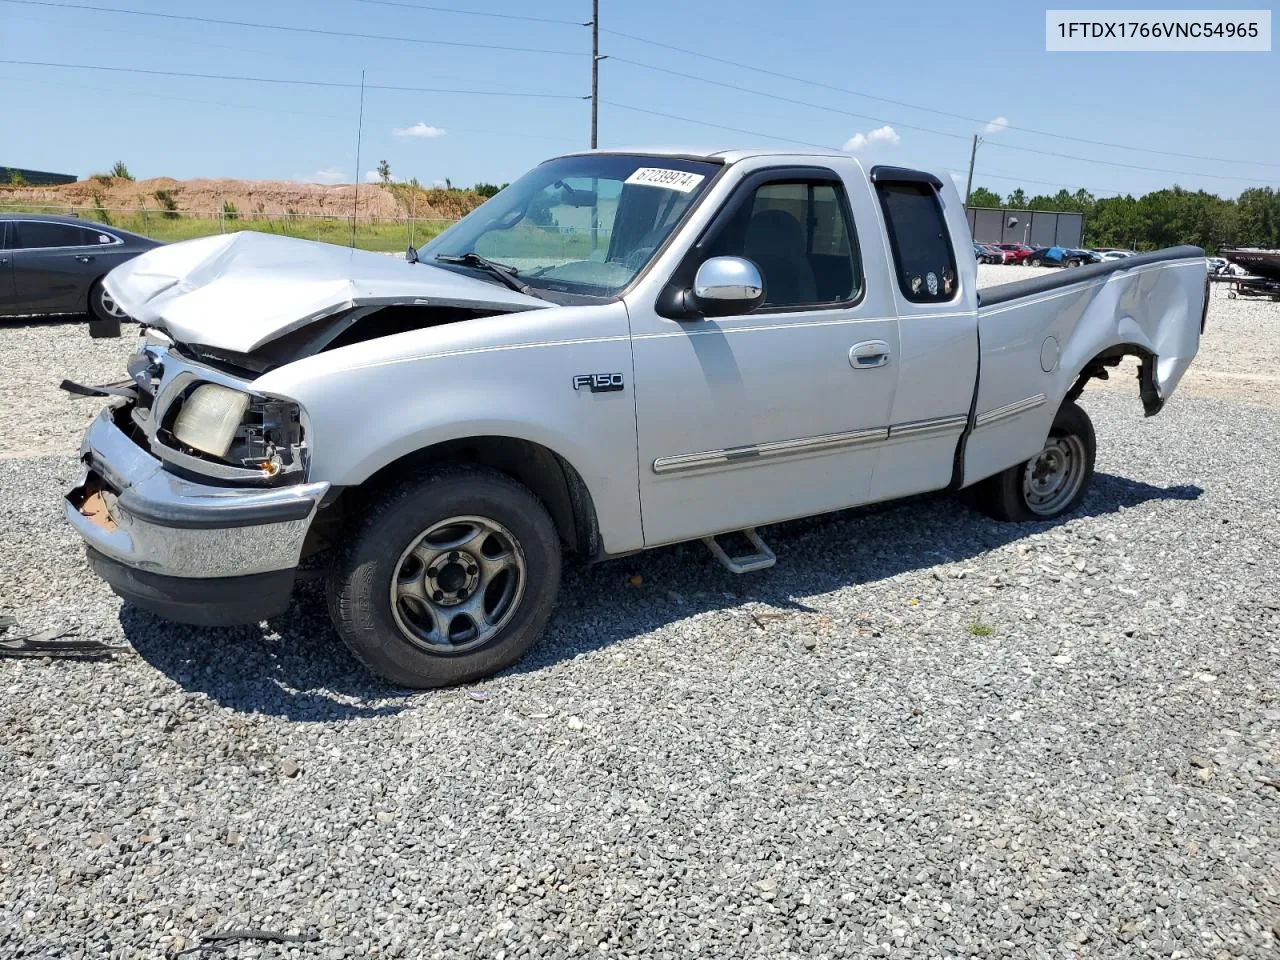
(922, 734)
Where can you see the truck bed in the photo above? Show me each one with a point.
(1004, 292)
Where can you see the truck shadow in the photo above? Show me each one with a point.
(295, 667)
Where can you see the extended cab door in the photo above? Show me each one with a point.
(780, 412)
(935, 298)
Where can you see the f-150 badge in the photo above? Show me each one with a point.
(598, 382)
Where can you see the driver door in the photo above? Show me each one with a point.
(780, 412)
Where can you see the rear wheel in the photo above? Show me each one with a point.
(446, 579)
(1037, 262)
(105, 314)
(1051, 483)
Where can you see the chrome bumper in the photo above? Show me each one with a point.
(129, 509)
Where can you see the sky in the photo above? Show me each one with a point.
(951, 69)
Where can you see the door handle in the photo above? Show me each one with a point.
(869, 354)
(84, 258)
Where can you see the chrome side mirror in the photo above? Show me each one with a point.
(727, 285)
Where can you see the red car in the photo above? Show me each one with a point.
(1018, 251)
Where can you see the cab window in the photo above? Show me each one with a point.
(921, 245)
(800, 235)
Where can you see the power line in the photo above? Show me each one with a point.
(192, 41)
(315, 31)
(469, 13)
(294, 81)
(908, 126)
(717, 126)
(915, 106)
(163, 96)
(775, 96)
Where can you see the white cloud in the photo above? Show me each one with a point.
(371, 176)
(885, 134)
(418, 131)
(327, 175)
(998, 125)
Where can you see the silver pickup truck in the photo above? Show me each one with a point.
(618, 351)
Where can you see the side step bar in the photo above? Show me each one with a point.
(762, 559)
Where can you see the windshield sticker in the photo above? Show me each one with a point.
(666, 179)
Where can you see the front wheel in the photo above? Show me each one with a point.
(1037, 262)
(446, 579)
(1051, 483)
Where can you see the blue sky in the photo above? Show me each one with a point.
(979, 61)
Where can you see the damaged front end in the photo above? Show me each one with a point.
(195, 505)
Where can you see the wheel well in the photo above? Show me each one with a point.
(1098, 368)
(550, 478)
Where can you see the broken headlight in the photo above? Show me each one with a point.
(242, 429)
(210, 417)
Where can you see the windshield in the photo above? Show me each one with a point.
(578, 225)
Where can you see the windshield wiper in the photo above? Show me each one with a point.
(501, 271)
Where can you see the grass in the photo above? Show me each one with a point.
(980, 629)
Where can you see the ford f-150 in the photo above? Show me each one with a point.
(617, 351)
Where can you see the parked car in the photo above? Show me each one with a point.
(1108, 255)
(990, 253)
(744, 345)
(53, 266)
(1082, 256)
(1057, 257)
(1018, 252)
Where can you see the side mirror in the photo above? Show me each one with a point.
(727, 285)
(411, 254)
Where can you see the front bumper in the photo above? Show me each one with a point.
(188, 551)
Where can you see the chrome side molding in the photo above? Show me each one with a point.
(1009, 410)
(826, 443)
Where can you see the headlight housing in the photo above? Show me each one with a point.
(209, 418)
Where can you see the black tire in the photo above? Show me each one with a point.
(102, 322)
(1011, 495)
(360, 580)
(1037, 262)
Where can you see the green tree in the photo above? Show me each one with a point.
(384, 171)
(16, 179)
(120, 171)
(486, 190)
(1017, 199)
(982, 197)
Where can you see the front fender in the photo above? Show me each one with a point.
(371, 404)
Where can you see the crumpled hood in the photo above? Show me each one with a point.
(238, 291)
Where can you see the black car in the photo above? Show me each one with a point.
(51, 266)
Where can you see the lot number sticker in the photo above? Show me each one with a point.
(666, 179)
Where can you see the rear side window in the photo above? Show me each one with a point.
(33, 234)
(922, 254)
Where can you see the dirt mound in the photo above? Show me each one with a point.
(249, 197)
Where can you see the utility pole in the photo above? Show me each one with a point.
(355, 192)
(595, 68)
(968, 187)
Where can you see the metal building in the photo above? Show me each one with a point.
(1038, 228)
(35, 178)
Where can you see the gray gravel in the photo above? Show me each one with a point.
(923, 734)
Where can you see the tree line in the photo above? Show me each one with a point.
(1164, 218)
